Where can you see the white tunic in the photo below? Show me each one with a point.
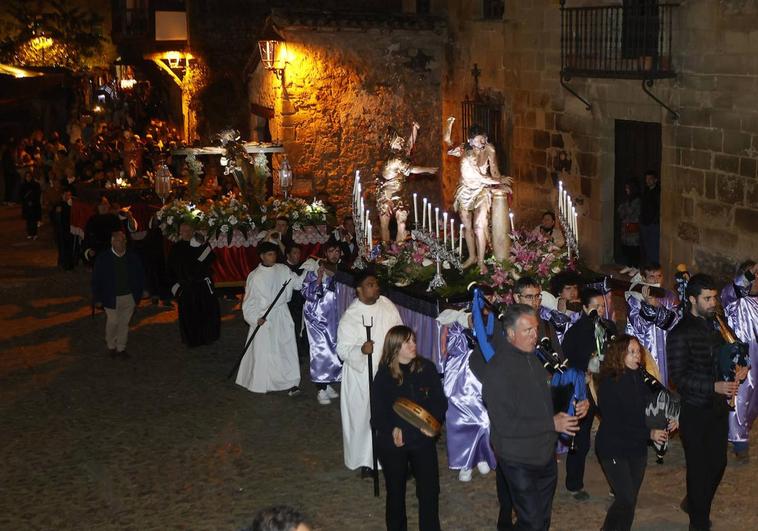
(354, 399)
(270, 363)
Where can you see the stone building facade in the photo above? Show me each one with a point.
(709, 212)
(347, 78)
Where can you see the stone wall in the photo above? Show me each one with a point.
(342, 88)
(709, 188)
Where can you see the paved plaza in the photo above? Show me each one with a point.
(165, 441)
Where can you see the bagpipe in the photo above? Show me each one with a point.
(730, 355)
(567, 384)
(483, 329)
(605, 332)
(663, 407)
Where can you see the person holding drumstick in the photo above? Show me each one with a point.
(404, 374)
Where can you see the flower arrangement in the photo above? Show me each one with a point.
(227, 215)
(406, 262)
(537, 256)
(298, 211)
(173, 214)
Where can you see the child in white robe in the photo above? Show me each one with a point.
(270, 363)
(352, 348)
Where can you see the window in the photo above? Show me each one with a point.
(493, 9)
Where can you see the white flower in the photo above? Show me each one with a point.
(224, 229)
(277, 203)
(426, 262)
(211, 221)
(296, 227)
(224, 161)
(556, 269)
(263, 209)
(263, 219)
(295, 215)
(170, 220)
(232, 220)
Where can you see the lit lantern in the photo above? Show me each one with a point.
(162, 182)
(285, 176)
(272, 52)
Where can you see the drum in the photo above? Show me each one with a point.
(417, 416)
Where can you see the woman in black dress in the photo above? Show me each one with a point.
(402, 373)
(31, 204)
(622, 439)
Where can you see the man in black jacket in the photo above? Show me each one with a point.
(523, 427)
(704, 419)
(579, 344)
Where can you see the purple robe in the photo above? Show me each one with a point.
(467, 421)
(651, 325)
(321, 316)
(741, 311)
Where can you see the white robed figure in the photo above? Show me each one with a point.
(270, 362)
(352, 348)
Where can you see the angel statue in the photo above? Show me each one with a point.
(473, 197)
(389, 191)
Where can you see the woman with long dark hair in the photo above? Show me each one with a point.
(404, 374)
(622, 439)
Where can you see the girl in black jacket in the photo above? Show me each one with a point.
(622, 439)
(403, 374)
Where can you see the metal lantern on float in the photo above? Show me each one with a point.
(162, 182)
(285, 176)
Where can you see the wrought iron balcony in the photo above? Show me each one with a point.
(628, 41)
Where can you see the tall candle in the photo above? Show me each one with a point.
(560, 197)
(444, 228)
(513, 227)
(460, 242)
(437, 222)
(423, 215)
(415, 209)
(366, 223)
(576, 233)
(370, 235)
(452, 235)
(429, 215)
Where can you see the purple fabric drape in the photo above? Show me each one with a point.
(651, 324)
(427, 328)
(467, 421)
(742, 315)
(321, 316)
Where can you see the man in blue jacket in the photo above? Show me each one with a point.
(117, 284)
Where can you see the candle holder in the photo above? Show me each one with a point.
(568, 232)
(437, 281)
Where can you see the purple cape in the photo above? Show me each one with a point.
(467, 421)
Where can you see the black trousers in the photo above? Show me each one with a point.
(625, 478)
(575, 461)
(31, 225)
(532, 489)
(395, 463)
(704, 434)
(505, 516)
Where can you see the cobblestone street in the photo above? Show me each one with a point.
(165, 441)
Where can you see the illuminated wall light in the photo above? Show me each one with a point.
(127, 84)
(174, 59)
(41, 42)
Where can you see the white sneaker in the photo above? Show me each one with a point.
(464, 475)
(331, 393)
(483, 468)
(323, 398)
